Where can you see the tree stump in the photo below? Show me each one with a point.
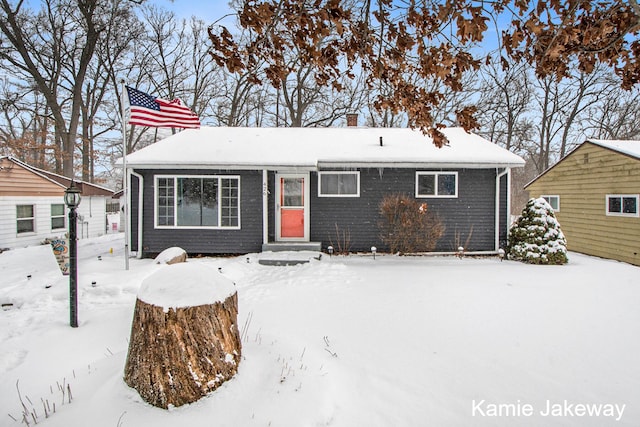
(184, 337)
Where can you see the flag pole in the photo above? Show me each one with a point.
(125, 174)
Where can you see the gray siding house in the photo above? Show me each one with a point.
(218, 190)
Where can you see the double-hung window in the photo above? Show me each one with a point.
(198, 201)
(622, 205)
(339, 184)
(554, 202)
(437, 184)
(57, 216)
(25, 219)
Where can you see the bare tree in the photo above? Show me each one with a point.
(58, 40)
(234, 100)
(559, 108)
(20, 126)
(583, 91)
(616, 116)
(241, 97)
(505, 95)
(307, 104)
(99, 108)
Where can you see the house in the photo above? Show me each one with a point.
(32, 205)
(594, 191)
(219, 190)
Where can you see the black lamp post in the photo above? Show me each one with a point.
(72, 200)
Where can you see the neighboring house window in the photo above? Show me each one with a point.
(57, 216)
(113, 207)
(554, 202)
(339, 184)
(25, 218)
(198, 201)
(436, 184)
(622, 205)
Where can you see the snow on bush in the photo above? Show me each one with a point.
(536, 236)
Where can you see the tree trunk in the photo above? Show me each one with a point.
(178, 355)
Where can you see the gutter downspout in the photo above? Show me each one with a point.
(140, 194)
(499, 175)
(265, 207)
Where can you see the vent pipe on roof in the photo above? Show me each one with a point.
(380, 141)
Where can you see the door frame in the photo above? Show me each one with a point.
(306, 187)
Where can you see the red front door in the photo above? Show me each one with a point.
(291, 207)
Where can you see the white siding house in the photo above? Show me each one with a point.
(32, 206)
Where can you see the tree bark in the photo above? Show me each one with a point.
(177, 356)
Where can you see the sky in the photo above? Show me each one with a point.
(209, 11)
(214, 10)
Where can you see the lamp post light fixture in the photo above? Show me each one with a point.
(330, 250)
(373, 251)
(72, 200)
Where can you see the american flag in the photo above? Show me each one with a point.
(147, 110)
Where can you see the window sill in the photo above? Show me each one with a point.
(623, 215)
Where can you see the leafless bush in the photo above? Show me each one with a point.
(408, 226)
(341, 242)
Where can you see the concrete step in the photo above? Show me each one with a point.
(292, 246)
(284, 258)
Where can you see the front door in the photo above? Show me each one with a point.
(292, 195)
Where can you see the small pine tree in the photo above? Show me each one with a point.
(536, 236)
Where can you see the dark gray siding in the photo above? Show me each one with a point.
(469, 216)
(206, 241)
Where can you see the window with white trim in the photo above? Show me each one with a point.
(25, 219)
(57, 216)
(436, 184)
(198, 201)
(622, 205)
(554, 202)
(339, 184)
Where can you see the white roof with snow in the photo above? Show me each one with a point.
(628, 147)
(314, 148)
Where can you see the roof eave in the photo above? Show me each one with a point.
(419, 164)
(324, 164)
(225, 166)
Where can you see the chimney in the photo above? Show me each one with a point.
(352, 120)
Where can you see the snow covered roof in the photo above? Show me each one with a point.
(628, 147)
(317, 148)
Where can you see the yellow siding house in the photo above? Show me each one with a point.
(594, 191)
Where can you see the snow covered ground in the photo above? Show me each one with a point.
(345, 341)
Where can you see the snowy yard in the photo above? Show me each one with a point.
(345, 341)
